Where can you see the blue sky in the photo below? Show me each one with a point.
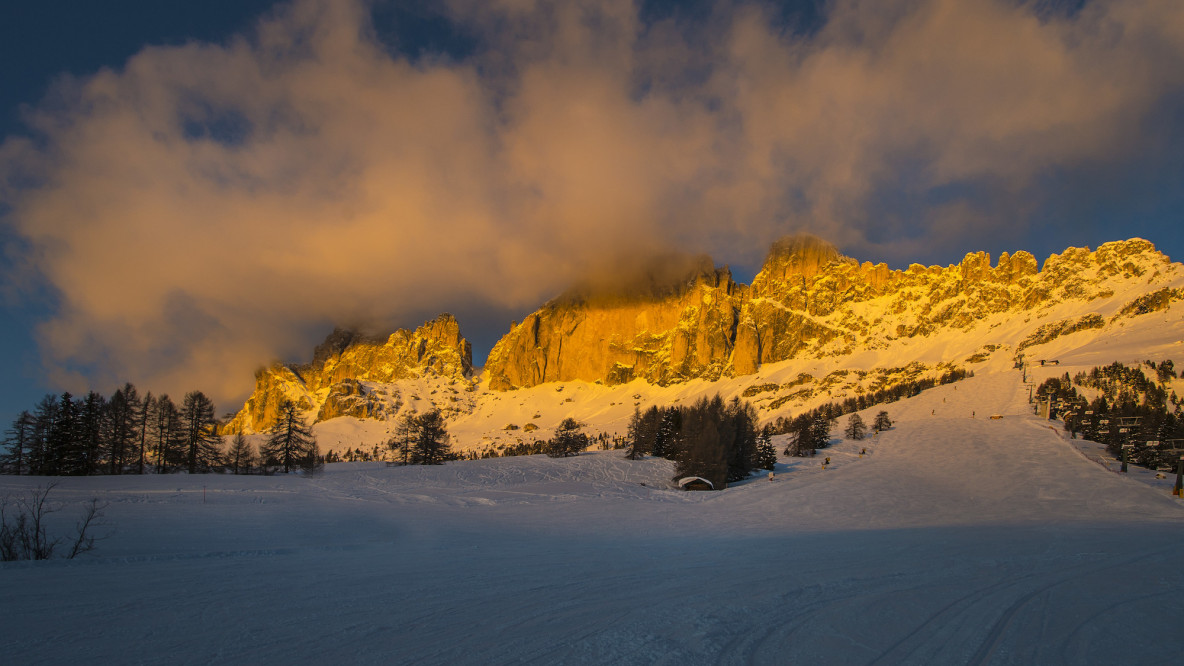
(375, 166)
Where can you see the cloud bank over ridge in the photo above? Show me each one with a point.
(207, 207)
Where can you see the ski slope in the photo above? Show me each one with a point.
(954, 540)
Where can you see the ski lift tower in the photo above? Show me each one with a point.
(1031, 387)
(1126, 427)
(1173, 447)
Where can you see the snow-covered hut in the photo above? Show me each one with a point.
(695, 483)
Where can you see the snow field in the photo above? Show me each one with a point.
(955, 540)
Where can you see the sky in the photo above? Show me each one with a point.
(190, 190)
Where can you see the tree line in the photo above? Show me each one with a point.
(129, 434)
(1124, 394)
(713, 439)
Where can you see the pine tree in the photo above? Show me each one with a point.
(882, 422)
(66, 454)
(855, 430)
(820, 430)
(569, 439)
(668, 434)
(766, 453)
(202, 443)
(432, 440)
(290, 441)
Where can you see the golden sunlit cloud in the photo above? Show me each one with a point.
(205, 207)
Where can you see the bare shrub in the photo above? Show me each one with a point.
(23, 534)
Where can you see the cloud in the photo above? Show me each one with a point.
(207, 207)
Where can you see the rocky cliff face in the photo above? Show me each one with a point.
(807, 300)
(682, 331)
(336, 382)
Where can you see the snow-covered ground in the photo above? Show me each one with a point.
(954, 540)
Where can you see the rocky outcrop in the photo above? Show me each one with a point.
(675, 333)
(808, 299)
(335, 382)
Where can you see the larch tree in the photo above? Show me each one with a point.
(291, 441)
(19, 440)
(167, 433)
(403, 441)
(142, 430)
(241, 455)
(202, 444)
(93, 431)
(123, 423)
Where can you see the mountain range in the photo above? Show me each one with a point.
(813, 326)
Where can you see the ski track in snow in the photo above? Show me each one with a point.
(955, 540)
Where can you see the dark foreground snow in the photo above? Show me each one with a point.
(955, 540)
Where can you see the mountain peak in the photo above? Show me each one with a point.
(800, 254)
(331, 383)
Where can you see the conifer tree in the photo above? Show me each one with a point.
(65, 452)
(142, 430)
(290, 441)
(123, 421)
(93, 433)
(313, 461)
(432, 439)
(766, 453)
(167, 433)
(41, 458)
(739, 437)
(403, 441)
(855, 430)
(702, 453)
(882, 422)
(802, 443)
(202, 444)
(668, 439)
(569, 439)
(19, 440)
(241, 455)
(635, 437)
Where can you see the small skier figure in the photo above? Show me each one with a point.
(863, 452)
(933, 412)
(770, 476)
(972, 414)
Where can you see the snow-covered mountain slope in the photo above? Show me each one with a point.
(953, 540)
(1120, 302)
